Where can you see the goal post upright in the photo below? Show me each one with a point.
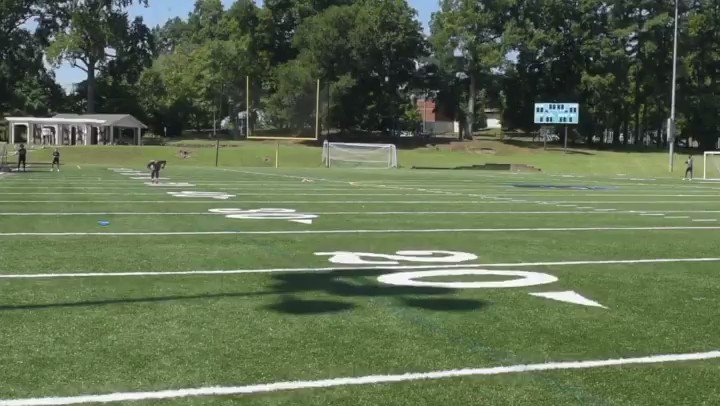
(708, 163)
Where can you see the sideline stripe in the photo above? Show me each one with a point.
(321, 232)
(353, 213)
(360, 268)
(361, 380)
(476, 200)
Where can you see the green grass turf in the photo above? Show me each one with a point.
(652, 163)
(72, 336)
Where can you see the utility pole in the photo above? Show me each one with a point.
(671, 122)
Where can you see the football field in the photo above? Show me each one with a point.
(357, 287)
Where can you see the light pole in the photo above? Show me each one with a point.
(671, 122)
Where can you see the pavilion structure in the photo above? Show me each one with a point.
(77, 129)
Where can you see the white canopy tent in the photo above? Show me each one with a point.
(76, 129)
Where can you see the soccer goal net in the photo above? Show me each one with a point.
(338, 154)
(711, 162)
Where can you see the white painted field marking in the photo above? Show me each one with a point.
(359, 258)
(569, 297)
(355, 268)
(343, 213)
(210, 195)
(356, 381)
(80, 194)
(330, 232)
(266, 214)
(339, 213)
(704, 220)
(314, 202)
(170, 184)
(147, 178)
(522, 279)
(651, 214)
(78, 166)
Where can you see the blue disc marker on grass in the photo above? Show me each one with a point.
(104, 223)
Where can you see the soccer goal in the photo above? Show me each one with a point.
(711, 162)
(356, 155)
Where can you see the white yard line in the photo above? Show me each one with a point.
(289, 193)
(340, 213)
(274, 202)
(358, 381)
(345, 231)
(357, 268)
(327, 213)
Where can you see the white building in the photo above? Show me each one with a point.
(76, 129)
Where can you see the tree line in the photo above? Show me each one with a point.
(614, 57)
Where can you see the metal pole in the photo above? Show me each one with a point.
(277, 155)
(217, 152)
(671, 124)
(566, 137)
(247, 106)
(317, 112)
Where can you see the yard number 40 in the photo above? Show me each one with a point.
(447, 264)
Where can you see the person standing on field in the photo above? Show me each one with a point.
(689, 169)
(56, 160)
(22, 157)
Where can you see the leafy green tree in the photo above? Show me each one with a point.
(367, 53)
(86, 34)
(26, 87)
(467, 36)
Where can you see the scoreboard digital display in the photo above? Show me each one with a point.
(557, 113)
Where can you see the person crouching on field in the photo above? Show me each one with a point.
(155, 167)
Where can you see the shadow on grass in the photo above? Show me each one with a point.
(340, 283)
(299, 307)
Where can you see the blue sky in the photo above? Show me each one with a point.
(162, 10)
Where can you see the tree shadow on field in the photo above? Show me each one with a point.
(364, 284)
(298, 307)
(341, 283)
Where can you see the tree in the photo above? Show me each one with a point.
(467, 35)
(281, 19)
(701, 85)
(26, 87)
(85, 34)
(367, 54)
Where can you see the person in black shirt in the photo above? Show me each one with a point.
(22, 156)
(56, 160)
(155, 167)
(690, 168)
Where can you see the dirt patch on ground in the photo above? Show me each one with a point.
(483, 147)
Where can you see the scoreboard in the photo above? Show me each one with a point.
(557, 113)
